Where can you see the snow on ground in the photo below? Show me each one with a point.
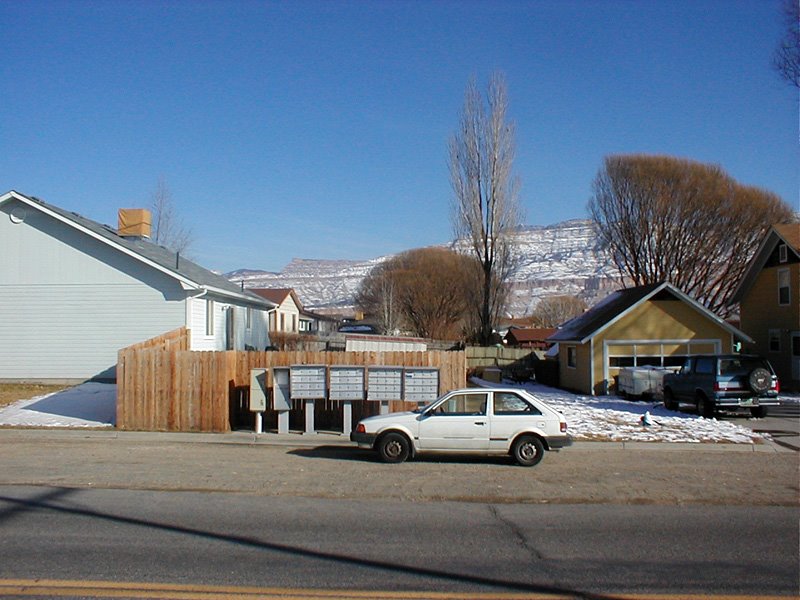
(607, 418)
(91, 404)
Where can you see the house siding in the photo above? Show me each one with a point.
(60, 332)
(286, 317)
(656, 328)
(577, 378)
(762, 312)
(254, 337)
(69, 303)
(73, 293)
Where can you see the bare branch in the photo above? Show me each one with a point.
(168, 230)
(667, 219)
(485, 210)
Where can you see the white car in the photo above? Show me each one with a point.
(476, 420)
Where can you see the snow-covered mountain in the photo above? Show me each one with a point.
(554, 260)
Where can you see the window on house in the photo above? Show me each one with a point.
(572, 357)
(248, 319)
(784, 293)
(774, 340)
(621, 361)
(294, 323)
(283, 322)
(209, 317)
(783, 253)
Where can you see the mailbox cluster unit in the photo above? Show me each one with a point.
(319, 382)
(346, 384)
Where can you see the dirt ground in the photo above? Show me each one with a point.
(11, 392)
(587, 473)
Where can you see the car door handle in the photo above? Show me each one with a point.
(480, 422)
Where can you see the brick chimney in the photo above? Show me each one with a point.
(134, 222)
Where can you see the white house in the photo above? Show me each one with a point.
(286, 316)
(73, 292)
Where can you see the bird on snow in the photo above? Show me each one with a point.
(646, 420)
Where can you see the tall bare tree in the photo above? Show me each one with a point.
(168, 229)
(662, 218)
(787, 56)
(485, 210)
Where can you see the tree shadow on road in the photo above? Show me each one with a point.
(57, 500)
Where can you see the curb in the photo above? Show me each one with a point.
(301, 440)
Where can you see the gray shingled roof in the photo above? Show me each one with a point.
(167, 259)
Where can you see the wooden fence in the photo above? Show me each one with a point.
(161, 386)
(495, 356)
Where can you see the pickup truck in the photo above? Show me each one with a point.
(728, 381)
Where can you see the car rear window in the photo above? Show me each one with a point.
(740, 365)
(510, 404)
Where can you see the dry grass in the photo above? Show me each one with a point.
(11, 392)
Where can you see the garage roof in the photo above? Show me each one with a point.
(618, 304)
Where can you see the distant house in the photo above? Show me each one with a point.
(534, 338)
(656, 325)
(74, 292)
(769, 301)
(317, 324)
(285, 316)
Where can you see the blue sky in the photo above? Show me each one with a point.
(319, 129)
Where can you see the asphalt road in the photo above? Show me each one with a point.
(362, 547)
(782, 423)
(312, 513)
(331, 467)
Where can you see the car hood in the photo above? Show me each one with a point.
(397, 417)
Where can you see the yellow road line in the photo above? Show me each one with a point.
(169, 591)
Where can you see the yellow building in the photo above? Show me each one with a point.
(769, 302)
(654, 325)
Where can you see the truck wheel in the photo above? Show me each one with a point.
(394, 448)
(759, 412)
(705, 408)
(669, 400)
(759, 380)
(528, 450)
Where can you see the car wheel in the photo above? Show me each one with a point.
(394, 448)
(705, 408)
(528, 451)
(759, 380)
(758, 412)
(669, 400)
